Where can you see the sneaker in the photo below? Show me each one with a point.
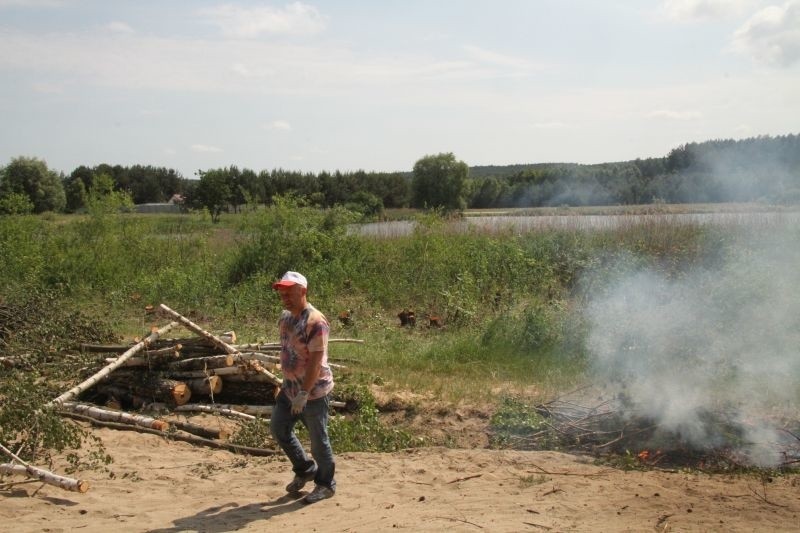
(297, 484)
(319, 493)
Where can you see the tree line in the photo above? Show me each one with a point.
(761, 168)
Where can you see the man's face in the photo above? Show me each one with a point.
(292, 297)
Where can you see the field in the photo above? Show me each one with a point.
(687, 326)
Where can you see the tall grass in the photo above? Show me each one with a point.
(510, 300)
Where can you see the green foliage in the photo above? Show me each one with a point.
(214, 192)
(365, 203)
(30, 176)
(102, 199)
(75, 191)
(363, 430)
(513, 420)
(15, 204)
(254, 434)
(539, 325)
(287, 236)
(32, 430)
(22, 258)
(439, 182)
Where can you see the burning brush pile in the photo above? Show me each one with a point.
(616, 430)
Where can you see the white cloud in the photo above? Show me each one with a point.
(205, 149)
(494, 58)
(772, 35)
(102, 59)
(31, 3)
(691, 10)
(48, 88)
(552, 125)
(241, 70)
(279, 125)
(674, 115)
(119, 27)
(241, 22)
(170, 151)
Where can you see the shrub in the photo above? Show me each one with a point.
(15, 204)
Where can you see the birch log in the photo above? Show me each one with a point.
(205, 386)
(227, 348)
(77, 389)
(202, 363)
(45, 476)
(273, 359)
(217, 341)
(108, 415)
(151, 359)
(195, 374)
(217, 409)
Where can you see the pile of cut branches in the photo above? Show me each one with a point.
(613, 430)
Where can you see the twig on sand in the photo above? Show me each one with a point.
(543, 471)
(464, 478)
(537, 525)
(552, 491)
(763, 497)
(458, 520)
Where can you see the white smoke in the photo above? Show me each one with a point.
(711, 352)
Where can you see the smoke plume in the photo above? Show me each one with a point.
(712, 356)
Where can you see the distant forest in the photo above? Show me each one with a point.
(758, 169)
(761, 169)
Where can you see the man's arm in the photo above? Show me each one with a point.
(312, 370)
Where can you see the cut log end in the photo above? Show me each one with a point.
(181, 393)
(160, 425)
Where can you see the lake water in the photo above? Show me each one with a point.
(523, 224)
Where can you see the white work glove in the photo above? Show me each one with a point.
(299, 402)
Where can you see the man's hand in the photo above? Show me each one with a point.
(299, 402)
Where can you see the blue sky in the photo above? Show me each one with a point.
(375, 85)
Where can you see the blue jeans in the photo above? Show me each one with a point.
(315, 418)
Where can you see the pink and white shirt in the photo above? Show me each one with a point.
(301, 335)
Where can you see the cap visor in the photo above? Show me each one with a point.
(283, 283)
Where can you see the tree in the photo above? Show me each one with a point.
(76, 194)
(214, 192)
(102, 198)
(31, 177)
(439, 182)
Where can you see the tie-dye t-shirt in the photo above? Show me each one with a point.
(300, 336)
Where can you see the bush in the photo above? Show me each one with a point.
(15, 204)
(33, 430)
(363, 430)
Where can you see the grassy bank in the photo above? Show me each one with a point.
(511, 303)
(519, 309)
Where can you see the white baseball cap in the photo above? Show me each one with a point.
(289, 279)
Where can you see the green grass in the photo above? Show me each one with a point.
(511, 302)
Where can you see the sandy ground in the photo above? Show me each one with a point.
(163, 486)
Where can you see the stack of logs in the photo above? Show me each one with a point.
(173, 371)
(204, 368)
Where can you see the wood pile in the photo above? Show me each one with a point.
(204, 369)
(164, 375)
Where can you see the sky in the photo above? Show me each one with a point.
(376, 85)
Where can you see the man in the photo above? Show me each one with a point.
(307, 381)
